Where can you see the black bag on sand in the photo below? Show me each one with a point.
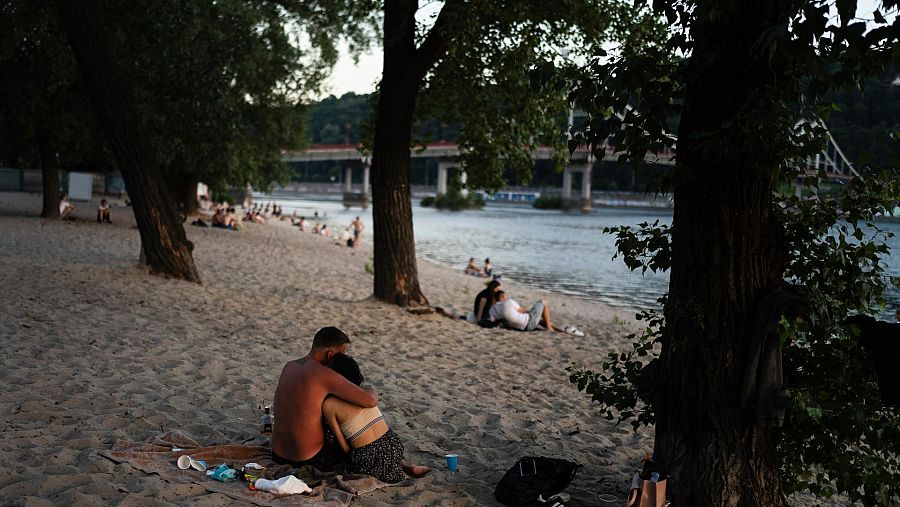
(534, 480)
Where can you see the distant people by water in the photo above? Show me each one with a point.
(346, 238)
(483, 272)
(357, 227)
(104, 213)
(65, 207)
(519, 317)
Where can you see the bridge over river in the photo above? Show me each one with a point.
(831, 160)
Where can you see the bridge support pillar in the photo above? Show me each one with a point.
(586, 189)
(348, 179)
(366, 168)
(443, 169)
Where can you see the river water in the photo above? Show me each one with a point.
(559, 252)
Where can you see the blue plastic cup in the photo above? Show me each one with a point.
(452, 462)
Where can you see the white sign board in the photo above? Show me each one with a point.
(80, 186)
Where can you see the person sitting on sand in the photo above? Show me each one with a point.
(65, 207)
(487, 270)
(373, 448)
(231, 221)
(104, 213)
(485, 300)
(218, 220)
(472, 268)
(316, 228)
(519, 317)
(300, 435)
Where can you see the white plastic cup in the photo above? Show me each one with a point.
(184, 462)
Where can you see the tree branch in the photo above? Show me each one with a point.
(435, 44)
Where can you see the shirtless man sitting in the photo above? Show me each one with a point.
(300, 436)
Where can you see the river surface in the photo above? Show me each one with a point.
(567, 253)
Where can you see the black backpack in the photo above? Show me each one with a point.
(533, 478)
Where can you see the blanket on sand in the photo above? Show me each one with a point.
(157, 456)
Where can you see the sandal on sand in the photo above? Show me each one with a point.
(557, 500)
(572, 330)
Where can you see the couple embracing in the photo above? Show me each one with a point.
(324, 415)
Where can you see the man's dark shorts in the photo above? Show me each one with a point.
(328, 457)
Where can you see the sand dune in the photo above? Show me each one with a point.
(96, 349)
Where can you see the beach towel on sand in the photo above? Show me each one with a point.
(156, 456)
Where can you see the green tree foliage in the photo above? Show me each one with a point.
(473, 64)
(226, 93)
(34, 57)
(339, 120)
(837, 436)
(221, 85)
(865, 119)
(490, 81)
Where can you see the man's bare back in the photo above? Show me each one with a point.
(304, 384)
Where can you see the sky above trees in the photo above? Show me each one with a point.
(362, 76)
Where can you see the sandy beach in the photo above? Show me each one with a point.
(96, 349)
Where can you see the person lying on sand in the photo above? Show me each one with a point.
(373, 448)
(519, 317)
(300, 436)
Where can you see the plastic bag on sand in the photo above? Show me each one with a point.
(287, 485)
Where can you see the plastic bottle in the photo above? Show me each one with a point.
(267, 421)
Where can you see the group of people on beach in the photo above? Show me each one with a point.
(493, 307)
(484, 272)
(226, 216)
(66, 208)
(326, 418)
(261, 214)
(350, 236)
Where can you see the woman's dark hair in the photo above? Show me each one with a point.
(346, 366)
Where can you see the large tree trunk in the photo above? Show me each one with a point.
(726, 253)
(164, 243)
(396, 274)
(185, 189)
(49, 178)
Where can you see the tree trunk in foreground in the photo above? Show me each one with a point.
(49, 178)
(726, 254)
(185, 189)
(396, 274)
(167, 250)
